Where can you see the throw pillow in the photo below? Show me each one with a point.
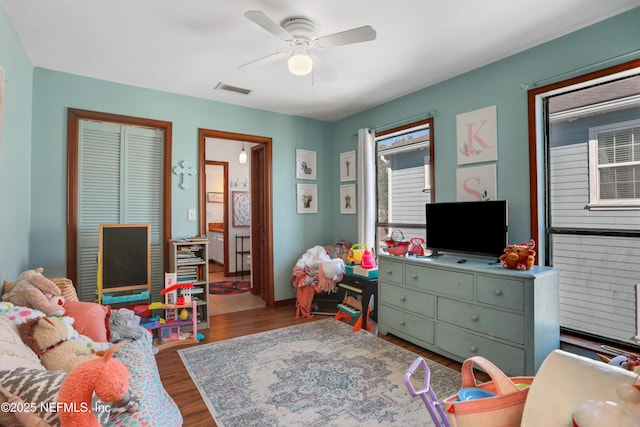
(91, 319)
(13, 352)
(40, 388)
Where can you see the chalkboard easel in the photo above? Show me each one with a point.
(124, 262)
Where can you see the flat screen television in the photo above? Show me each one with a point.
(478, 228)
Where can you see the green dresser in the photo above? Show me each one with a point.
(475, 308)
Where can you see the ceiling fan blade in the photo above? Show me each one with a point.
(355, 35)
(268, 24)
(263, 61)
(322, 70)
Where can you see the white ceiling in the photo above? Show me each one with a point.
(189, 46)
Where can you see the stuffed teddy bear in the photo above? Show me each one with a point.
(32, 289)
(520, 256)
(48, 337)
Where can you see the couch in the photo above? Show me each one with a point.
(22, 374)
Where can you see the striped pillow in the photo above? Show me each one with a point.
(40, 388)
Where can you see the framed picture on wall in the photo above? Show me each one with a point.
(348, 166)
(240, 209)
(477, 136)
(348, 199)
(305, 164)
(214, 197)
(476, 183)
(307, 198)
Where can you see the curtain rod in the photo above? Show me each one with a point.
(577, 71)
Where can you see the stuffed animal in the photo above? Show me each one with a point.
(48, 337)
(520, 256)
(106, 376)
(32, 289)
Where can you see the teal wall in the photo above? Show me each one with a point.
(33, 157)
(497, 84)
(15, 152)
(55, 92)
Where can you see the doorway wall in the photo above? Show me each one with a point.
(256, 179)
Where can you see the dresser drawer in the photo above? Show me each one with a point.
(500, 324)
(390, 271)
(445, 282)
(406, 324)
(464, 344)
(407, 299)
(508, 293)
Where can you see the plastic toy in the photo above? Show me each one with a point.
(426, 393)
(416, 246)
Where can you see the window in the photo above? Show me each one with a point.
(588, 128)
(404, 181)
(614, 165)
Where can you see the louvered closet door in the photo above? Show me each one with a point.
(120, 180)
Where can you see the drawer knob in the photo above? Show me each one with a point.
(414, 276)
(389, 271)
(475, 317)
(403, 298)
(402, 322)
(498, 292)
(473, 349)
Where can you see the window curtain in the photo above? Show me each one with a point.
(366, 189)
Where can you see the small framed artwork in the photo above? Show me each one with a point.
(307, 198)
(305, 164)
(348, 199)
(476, 183)
(241, 211)
(214, 197)
(476, 135)
(348, 166)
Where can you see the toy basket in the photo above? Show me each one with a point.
(397, 246)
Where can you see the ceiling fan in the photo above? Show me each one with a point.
(299, 33)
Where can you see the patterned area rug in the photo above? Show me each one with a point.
(228, 287)
(314, 374)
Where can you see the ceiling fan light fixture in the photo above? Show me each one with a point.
(300, 64)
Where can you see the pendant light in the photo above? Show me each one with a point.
(243, 156)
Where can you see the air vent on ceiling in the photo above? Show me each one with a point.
(229, 88)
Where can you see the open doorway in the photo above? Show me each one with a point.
(245, 230)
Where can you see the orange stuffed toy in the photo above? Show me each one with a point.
(106, 376)
(520, 256)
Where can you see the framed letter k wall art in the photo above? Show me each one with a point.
(476, 136)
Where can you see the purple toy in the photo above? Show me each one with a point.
(428, 396)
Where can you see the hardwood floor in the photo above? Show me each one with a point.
(177, 382)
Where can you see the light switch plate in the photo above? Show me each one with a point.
(191, 214)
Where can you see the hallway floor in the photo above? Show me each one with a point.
(222, 304)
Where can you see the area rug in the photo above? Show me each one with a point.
(228, 287)
(314, 374)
